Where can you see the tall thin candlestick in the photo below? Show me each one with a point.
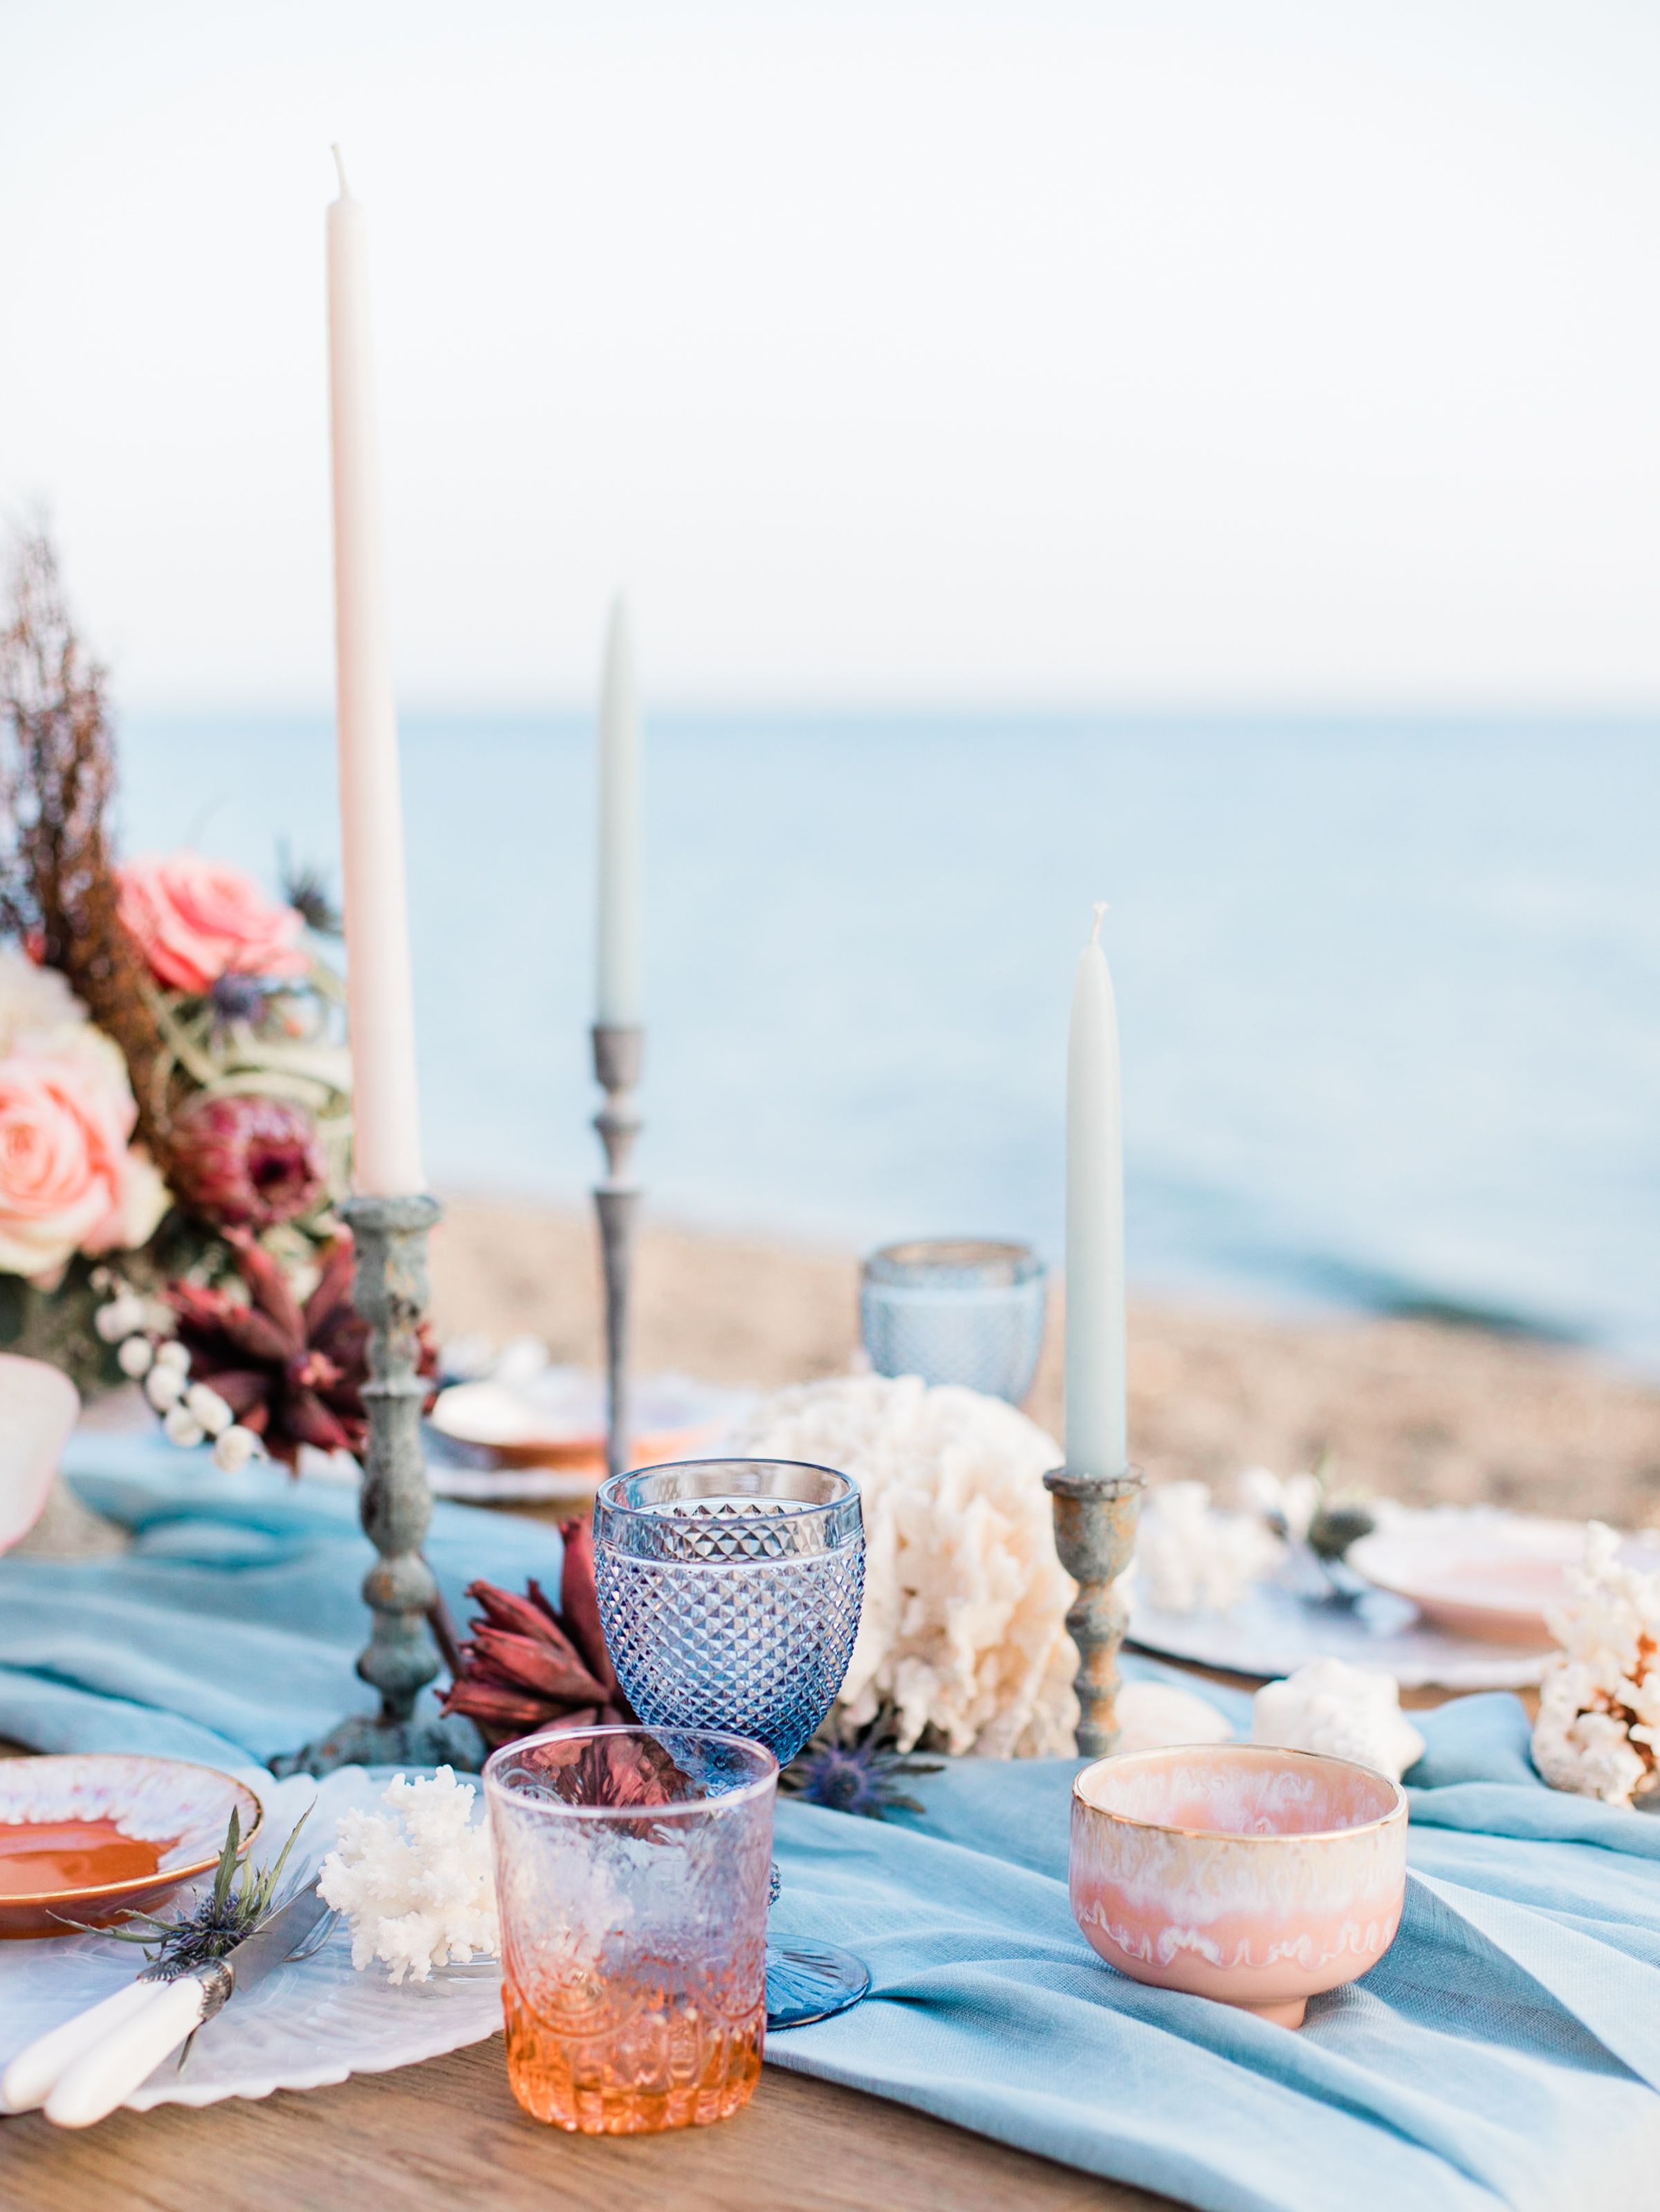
(618, 1038)
(390, 1214)
(1094, 1223)
(387, 1139)
(1097, 1494)
(617, 999)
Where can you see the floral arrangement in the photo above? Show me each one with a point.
(962, 1639)
(1598, 1727)
(174, 1090)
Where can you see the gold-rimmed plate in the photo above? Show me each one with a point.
(1479, 1571)
(87, 1836)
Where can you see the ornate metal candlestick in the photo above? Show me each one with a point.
(619, 1050)
(1095, 1518)
(390, 1292)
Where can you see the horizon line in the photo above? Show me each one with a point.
(565, 708)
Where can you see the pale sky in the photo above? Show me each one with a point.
(1164, 352)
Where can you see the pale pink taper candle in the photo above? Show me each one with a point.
(1095, 1391)
(387, 1139)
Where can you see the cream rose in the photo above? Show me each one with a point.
(195, 921)
(70, 1181)
(33, 1001)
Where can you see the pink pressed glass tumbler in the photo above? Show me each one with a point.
(632, 1871)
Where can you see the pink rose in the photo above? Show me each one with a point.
(69, 1179)
(195, 921)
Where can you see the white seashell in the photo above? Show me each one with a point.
(1153, 1715)
(136, 1357)
(1348, 1713)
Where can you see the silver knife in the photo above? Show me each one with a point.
(80, 2082)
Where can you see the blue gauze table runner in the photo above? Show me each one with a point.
(1505, 2052)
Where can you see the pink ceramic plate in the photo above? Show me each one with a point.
(1481, 1573)
(89, 1836)
(557, 1421)
(1255, 1876)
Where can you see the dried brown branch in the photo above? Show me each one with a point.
(58, 887)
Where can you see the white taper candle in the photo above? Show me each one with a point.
(1094, 1223)
(387, 1140)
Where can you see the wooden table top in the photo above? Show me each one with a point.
(427, 2138)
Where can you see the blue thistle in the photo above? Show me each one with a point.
(240, 999)
(860, 1777)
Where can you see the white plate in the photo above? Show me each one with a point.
(1479, 1572)
(302, 2027)
(1272, 1632)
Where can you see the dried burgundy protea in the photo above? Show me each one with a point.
(246, 1163)
(293, 1375)
(527, 1666)
(614, 1771)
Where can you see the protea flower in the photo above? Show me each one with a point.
(613, 1771)
(527, 1666)
(246, 1163)
(293, 1375)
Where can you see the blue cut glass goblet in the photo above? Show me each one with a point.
(729, 1593)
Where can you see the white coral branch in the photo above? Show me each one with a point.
(415, 1883)
(1191, 1556)
(1598, 1727)
(963, 1627)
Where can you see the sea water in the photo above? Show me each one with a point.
(1388, 989)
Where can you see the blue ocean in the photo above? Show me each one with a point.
(1389, 990)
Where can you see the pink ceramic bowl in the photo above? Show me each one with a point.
(1255, 1876)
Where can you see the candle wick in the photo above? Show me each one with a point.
(340, 167)
(1100, 911)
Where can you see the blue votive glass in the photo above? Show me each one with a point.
(956, 1310)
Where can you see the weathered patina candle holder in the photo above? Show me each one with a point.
(390, 1292)
(1095, 1518)
(619, 1050)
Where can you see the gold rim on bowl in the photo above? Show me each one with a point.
(1397, 1810)
(139, 1884)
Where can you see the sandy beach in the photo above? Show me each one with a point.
(1411, 1409)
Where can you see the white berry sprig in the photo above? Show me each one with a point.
(193, 1413)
